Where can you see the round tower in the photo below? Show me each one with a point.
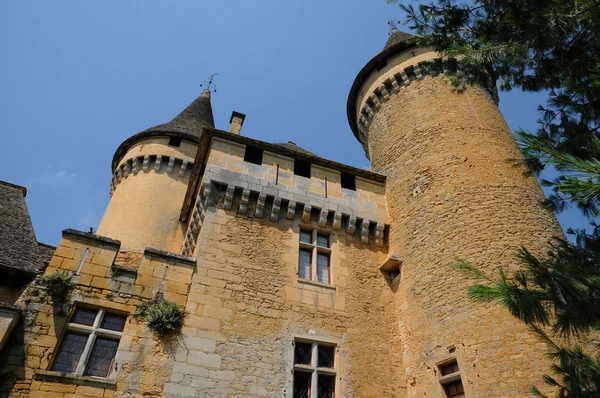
(453, 193)
(151, 171)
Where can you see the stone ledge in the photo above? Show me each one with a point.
(70, 378)
(302, 281)
(73, 233)
(170, 256)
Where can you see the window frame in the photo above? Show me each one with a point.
(315, 249)
(313, 369)
(92, 333)
(450, 378)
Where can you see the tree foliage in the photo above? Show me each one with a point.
(550, 46)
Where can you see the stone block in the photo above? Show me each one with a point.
(90, 391)
(204, 359)
(200, 344)
(188, 369)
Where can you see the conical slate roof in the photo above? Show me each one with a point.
(191, 120)
(187, 125)
(397, 37)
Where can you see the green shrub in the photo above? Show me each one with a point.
(58, 285)
(164, 317)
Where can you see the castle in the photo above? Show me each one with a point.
(299, 276)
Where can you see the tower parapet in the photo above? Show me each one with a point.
(452, 194)
(151, 173)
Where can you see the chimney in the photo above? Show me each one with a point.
(236, 121)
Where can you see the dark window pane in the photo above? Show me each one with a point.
(84, 316)
(305, 236)
(304, 260)
(302, 353)
(323, 267)
(302, 168)
(301, 384)
(325, 357)
(454, 390)
(101, 357)
(175, 141)
(70, 352)
(322, 240)
(326, 386)
(449, 368)
(348, 181)
(253, 155)
(113, 322)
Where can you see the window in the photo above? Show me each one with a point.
(253, 155)
(175, 141)
(302, 168)
(450, 379)
(348, 181)
(314, 370)
(314, 249)
(90, 343)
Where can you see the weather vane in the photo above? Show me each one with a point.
(393, 26)
(210, 83)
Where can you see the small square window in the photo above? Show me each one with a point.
(348, 181)
(325, 357)
(305, 236)
(449, 368)
(322, 240)
(84, 316)
(302, 168)
(175, 141)
(454, 390)
(113, 322)
(302, 353)
(253, 155)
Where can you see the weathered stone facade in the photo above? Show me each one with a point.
(214, 222)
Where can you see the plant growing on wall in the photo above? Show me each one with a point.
(58, 285)
(164, 317)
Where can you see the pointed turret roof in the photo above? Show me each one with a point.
(396, 43)
(397, 37)
(191, 120)
(187, 125)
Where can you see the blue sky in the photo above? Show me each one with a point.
(79, 77)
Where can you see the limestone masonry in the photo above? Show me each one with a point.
(299, 276)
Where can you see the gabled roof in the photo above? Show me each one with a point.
(19, 248)
(187, 125)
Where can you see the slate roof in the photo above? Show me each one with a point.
(397, 37)
(187, 125)
(397, 42)
(295, 148)
(19, 248)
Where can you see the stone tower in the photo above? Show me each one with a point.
(151, 172)
(452, 193)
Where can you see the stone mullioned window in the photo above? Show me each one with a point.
(314, 257)
(90, 343)
(314, 370)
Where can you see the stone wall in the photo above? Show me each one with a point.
(453, 193)
(246, 306)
